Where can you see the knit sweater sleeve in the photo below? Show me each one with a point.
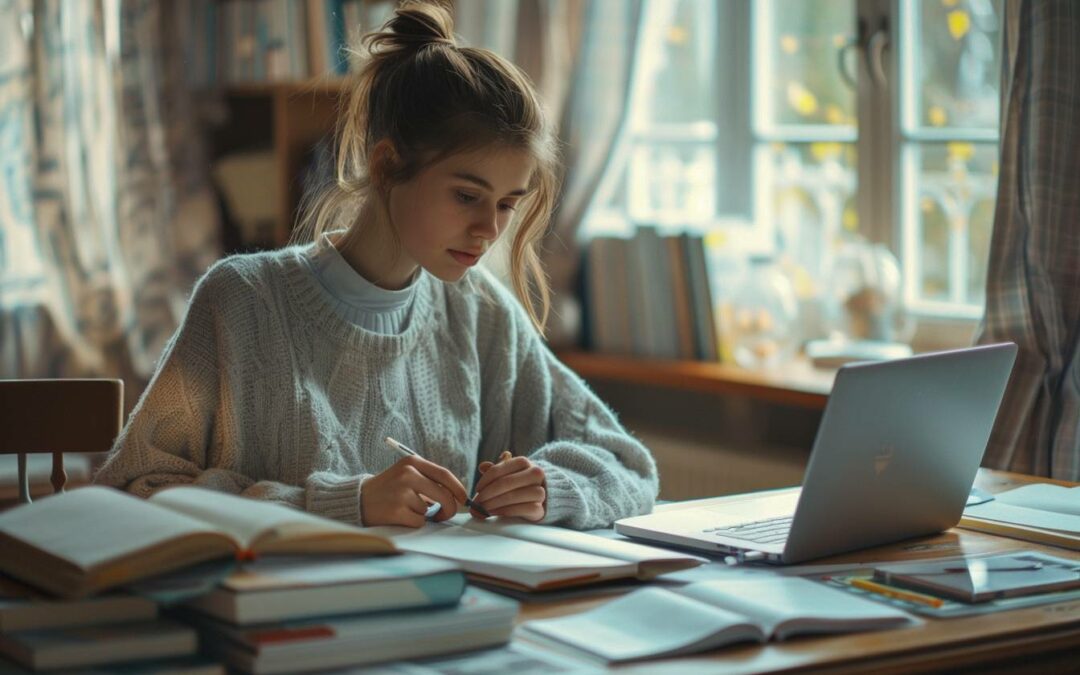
(595, 471)
(179, 432)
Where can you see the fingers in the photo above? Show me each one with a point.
(438, 474)
(532, 493)
(501, 469)
(530, 474)
(531, 511)
(433, 491)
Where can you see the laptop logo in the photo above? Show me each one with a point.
(881, 461)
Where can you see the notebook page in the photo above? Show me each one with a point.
(578, 541)
(523, 562)
(788, 605)
(1045, 497)
(651, 622)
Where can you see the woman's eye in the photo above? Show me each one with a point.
(466, 198)
(507, 207)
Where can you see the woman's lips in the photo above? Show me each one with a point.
(465, 259)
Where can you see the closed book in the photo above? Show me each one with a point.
(681, 297)
(84, 541)
(661, 622)
(481, 619)
(701, 300)
(278, 589)
(180, 665)
(82, 646)
(23, 608)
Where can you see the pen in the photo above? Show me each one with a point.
(404, 449)
(896, 593)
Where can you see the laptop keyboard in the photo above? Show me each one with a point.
(769, 531)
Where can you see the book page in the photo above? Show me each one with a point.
(1045, 497)
(1023, 516)
(583, 542)
(250, 520)
(93, 525)
(785, 606)
(523, 562)
(651, 622)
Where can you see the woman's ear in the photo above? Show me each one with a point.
(383, 165)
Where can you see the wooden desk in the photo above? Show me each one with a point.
(796, 383)
(1037, 639)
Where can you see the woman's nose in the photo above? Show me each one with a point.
(486, 225)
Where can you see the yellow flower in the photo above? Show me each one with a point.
(801, 99)
(789, 44)
(961, 151)
(959, 23)
(938, 116)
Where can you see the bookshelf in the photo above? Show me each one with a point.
(797, 384)
(289, 118)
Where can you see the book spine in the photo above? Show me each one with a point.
(684, 320)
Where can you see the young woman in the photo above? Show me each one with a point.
(292, 367)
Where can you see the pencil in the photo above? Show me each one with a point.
(896, 593)
(404, 449)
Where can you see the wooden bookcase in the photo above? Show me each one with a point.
(288, 117)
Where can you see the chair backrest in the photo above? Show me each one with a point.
(58, 416)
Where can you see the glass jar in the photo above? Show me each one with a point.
(866, 295)
(763, 315)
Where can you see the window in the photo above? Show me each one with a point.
(791, 125)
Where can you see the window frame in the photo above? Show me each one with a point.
(884, 194)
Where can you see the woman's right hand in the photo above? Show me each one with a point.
(401, 494)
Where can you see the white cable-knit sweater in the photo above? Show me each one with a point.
(265, 391)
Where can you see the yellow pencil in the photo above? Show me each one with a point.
(889, 592)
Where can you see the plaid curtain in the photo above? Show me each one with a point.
(1033, 286)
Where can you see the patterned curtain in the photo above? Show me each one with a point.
(1033, 286)
(105, 216)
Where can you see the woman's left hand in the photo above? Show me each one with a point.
(512, 487)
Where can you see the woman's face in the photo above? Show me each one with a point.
(452, 211)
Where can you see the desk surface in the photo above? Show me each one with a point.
(1035, 639)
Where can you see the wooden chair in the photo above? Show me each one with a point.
(58, 416)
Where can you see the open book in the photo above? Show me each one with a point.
(81, 542)
(655, 622)
(1041, 512)
(523, 556)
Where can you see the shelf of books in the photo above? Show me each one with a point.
(279, 67)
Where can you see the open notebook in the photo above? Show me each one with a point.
(655, 622)
(1040, 512)
(528, 557)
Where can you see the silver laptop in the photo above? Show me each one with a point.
(895, 457)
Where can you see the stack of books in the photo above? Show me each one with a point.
(114, 632)
(295, 614)
(358, 600)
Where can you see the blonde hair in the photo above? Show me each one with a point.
(431, 99)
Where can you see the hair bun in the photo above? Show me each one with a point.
(416, 25)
